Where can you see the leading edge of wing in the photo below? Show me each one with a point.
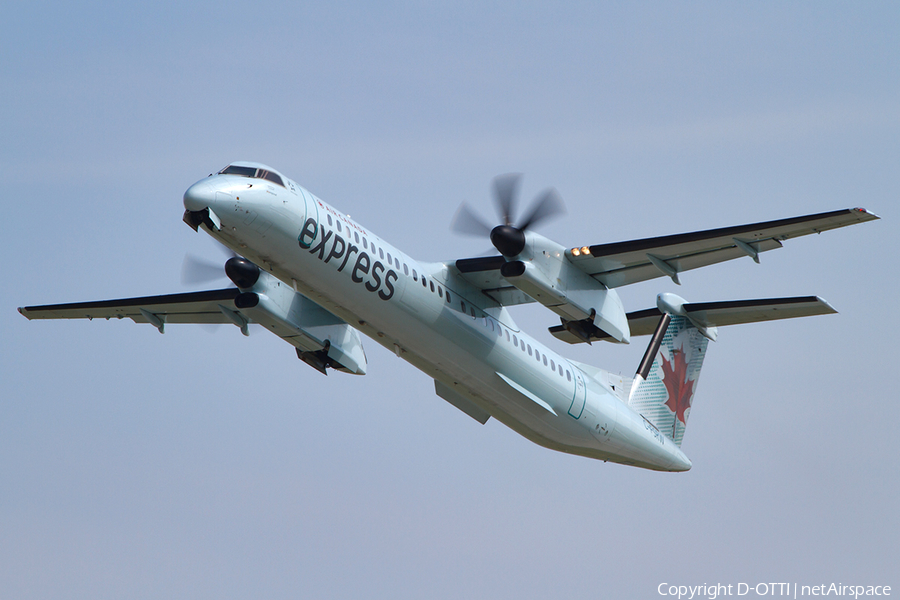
(198, 307)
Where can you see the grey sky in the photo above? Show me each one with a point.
(208, 465)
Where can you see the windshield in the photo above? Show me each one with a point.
(252, 172)
(235, 170)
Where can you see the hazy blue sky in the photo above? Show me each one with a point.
(204, 464)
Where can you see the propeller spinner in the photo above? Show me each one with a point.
(507, 238)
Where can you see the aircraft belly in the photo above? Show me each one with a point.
(466, 356)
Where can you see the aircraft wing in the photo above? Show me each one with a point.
(623, 263)
(193, 307)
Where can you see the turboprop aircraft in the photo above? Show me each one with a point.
(316, 278)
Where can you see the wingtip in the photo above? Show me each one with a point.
(869, 214)
(833, 310)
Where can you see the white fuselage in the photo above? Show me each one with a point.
(431, 317)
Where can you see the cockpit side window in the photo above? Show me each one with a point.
(273, 177)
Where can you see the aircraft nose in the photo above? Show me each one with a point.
(199, 196)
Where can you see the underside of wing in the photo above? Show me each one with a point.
(193, 307)
(624, 263)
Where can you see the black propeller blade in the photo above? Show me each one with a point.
(507, 238)
(467, 222)
(547, 206)
(195, 270)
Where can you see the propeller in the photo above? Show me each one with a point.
(238, 269)
(243, 273)
(507, 238)
(196, 270)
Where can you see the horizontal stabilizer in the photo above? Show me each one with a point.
(716, 314)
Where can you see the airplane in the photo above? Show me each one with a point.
(317, 279)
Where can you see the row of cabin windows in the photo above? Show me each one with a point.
(395, 262)
(548, 362)
(392, 260)
(440, 292)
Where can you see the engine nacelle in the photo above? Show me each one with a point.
(581, 301)
(321, 339)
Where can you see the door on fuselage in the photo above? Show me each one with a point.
(577, 407)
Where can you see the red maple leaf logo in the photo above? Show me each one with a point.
(680, 389)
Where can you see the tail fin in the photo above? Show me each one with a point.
(665, 383)
(666, 380)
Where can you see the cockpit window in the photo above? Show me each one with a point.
(236, 170)
(273, 177)
(252, 172)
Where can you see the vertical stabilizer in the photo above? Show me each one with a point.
(666, 380)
